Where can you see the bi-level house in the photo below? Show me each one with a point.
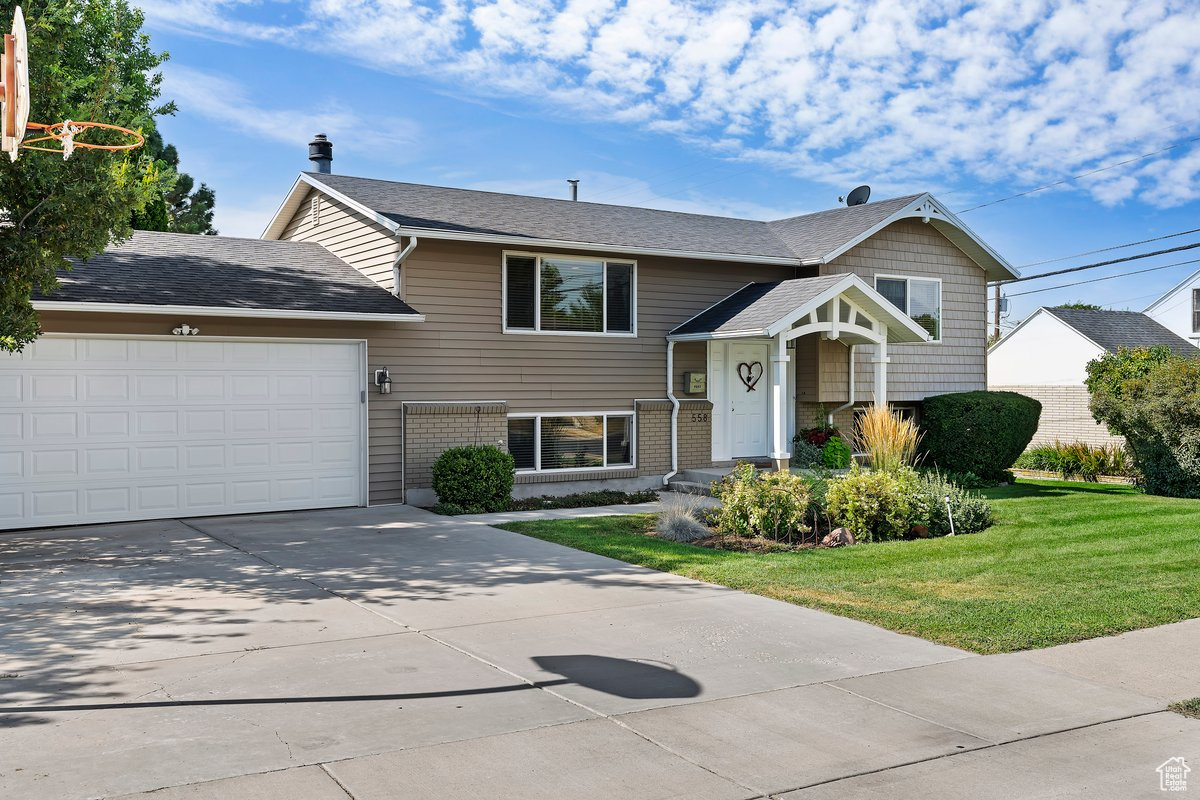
(376, 323)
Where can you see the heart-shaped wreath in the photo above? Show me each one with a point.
(750, 374)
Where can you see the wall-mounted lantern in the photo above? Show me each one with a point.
(185, 330)
(383, 380)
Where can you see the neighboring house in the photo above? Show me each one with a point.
(602, 345)
(1179, 309)
(1046, 357)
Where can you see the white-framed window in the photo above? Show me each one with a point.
(571, 295)
(1195, 310)
(919, 298)
(557, 441)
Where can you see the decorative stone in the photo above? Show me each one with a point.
(918, 532)
(838, 537)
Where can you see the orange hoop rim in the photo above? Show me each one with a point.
(57, 132)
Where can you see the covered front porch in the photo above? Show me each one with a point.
(751, 373)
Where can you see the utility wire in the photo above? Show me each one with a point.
(1107, 249)
(1081, 175)
(1106, 278)
(1110, 262)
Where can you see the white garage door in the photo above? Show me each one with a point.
(97, 429)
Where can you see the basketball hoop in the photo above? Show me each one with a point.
(14, 109)
(66, 134)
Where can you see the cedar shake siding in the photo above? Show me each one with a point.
(958, 363)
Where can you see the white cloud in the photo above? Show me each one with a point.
(1017, 92)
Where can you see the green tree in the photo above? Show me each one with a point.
(1151, 396)
(1079, 305)
(89, 60)
(182, 208)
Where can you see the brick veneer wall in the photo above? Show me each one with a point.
(432, 428)
(654, 435)
(1065, 415)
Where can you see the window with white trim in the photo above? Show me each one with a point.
(541, 442)
(1195, 310)
(919, 298)
(568, 294)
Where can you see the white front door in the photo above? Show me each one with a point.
(103, 429)
(748, 388)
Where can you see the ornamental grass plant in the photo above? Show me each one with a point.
(889, 441)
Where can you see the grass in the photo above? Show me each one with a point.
(1189, 708)
(1065, 562)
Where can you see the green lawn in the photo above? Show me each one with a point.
(1065, 561)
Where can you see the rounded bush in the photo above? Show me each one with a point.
(877, 505)
(770, 504)
(836, 453)
(979, 432)
(476, 479)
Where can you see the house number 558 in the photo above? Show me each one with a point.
(699, 417)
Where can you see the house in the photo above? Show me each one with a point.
(377, 323)
(1179, 309)
(1046, 357)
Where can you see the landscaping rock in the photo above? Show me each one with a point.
(838, 537)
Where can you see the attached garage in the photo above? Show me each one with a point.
(129, 419)
(103, 429)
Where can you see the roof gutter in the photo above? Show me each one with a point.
(219, 311)
(399, 262)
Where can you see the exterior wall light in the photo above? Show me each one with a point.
(185, 330)
(383, 380)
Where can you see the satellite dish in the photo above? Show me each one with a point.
(857, 197)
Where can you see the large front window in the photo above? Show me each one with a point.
(564, 294)
(919, 298)
(571, 441)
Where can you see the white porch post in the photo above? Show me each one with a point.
(881, 362)
(780, 452)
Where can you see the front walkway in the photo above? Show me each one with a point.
(388, 652)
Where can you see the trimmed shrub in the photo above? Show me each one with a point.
(971, 512)
(836, 453)
(979, 432)
(770, 504)
(476, 479)
(877, 505)
(805, 454)
(678, 521)
(888, 440)
(1151, 396)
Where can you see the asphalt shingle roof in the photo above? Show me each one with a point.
(757, 306)
(814, 236)
(412, 205)
(1116, 329)
(469, 211)
(173, 269)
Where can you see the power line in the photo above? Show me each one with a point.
(1081, 175)
(1107, 249)
(1106, 278)
(1110, 262)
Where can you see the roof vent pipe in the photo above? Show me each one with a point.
(320, 153)
(574, 188)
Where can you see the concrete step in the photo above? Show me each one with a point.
(689, 487)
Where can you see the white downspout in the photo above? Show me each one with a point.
(849, 403)
(674, 413)
(400, 259)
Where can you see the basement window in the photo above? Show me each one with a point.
(919, 298)
(568, 295)
(557, 442)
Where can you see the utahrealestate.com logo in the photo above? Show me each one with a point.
(1172, 775)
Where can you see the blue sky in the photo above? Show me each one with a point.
(756, 109)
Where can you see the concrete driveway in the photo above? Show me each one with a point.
(390, 653)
